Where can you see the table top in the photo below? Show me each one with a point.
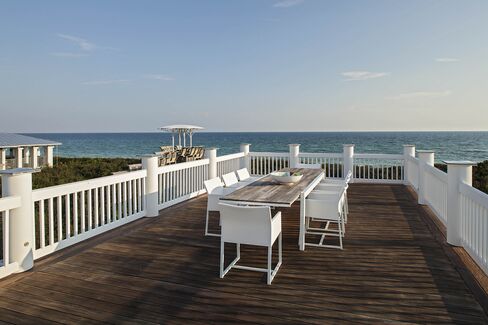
(266, 191)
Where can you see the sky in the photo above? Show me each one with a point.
(243, 65)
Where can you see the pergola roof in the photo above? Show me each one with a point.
(14, 140)
(180, 127)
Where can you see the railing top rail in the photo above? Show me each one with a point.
(474, 194)
(378, 156)
(439, 174)
(231, 156)
(413, 159)
(181, 166)
(269, 154)
(48, 192)
(320, 155)
(9, 203)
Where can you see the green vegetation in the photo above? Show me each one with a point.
(68, 170)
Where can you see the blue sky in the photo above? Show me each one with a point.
(243, 65)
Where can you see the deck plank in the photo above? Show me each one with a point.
(392, 270)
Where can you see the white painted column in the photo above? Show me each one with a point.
(49, 156)
(173, 139)
(3, 159)
(18, 182)
(457, 172)
(426, 158)
(18, 157)
(294, 155)
(245, 161)
(348, 160)
(34, 157)
(150, 164)
(211, 154)
(27, 155)
(408, 151)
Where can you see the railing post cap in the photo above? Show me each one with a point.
(245, 144)
(409, 145)
(18, 171)
(212, 148)
(294, 144)
(459, 162)
(348, 145)
(425, 151)
(150, 155)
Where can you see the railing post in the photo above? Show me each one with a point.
(150, 164)
(348, 160)
(408, 151)
(426, 158)
(245, 161)
(18, 182)
(294, 155)
(457, 172)
(34, 157)
(211, 154)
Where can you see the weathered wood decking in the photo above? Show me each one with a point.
(163, 270)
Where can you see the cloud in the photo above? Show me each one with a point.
(287, 3)
(82, 43)
(421, 94)
(105, 82)
(363, 75)
(162, 77)
(446, 60)
(68, 54)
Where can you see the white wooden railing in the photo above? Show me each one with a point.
(435, 192)
(474, 224)
(262, 163)
(412, 171)
(229, 163)
(180, 182)
(6, 205)
(330, 162)
(378, 168)
(67, 214)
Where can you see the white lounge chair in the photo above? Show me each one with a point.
(250, 225)
(325, 208)
(215, 190)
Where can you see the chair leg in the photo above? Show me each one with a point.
(340, 225)
(207, 217)
(280, 249)
(222, 249)
(270, 254)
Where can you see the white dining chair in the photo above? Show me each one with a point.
(250, 225)
(215, 190)
(332, 187)
(326, 208)
(231, 181)
(244, 176)
(310, 166)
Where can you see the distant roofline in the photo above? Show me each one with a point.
(15, 140)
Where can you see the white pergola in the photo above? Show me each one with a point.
(181, 129)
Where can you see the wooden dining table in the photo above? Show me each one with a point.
(268, 192)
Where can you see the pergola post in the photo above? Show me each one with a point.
(426, 158)
(191, 138)
(457, 172)
(173, 139)
(27, 155)
(34, 157)
(18, 182)
(49, 156)
(18, 157)
(3, 159)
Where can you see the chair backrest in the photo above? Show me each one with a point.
(243, 174)
(212, 184)
(310, 166)
(246, 224)
(230, 179)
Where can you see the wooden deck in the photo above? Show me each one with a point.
(163, 270)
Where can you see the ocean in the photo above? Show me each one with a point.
(447, 145)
